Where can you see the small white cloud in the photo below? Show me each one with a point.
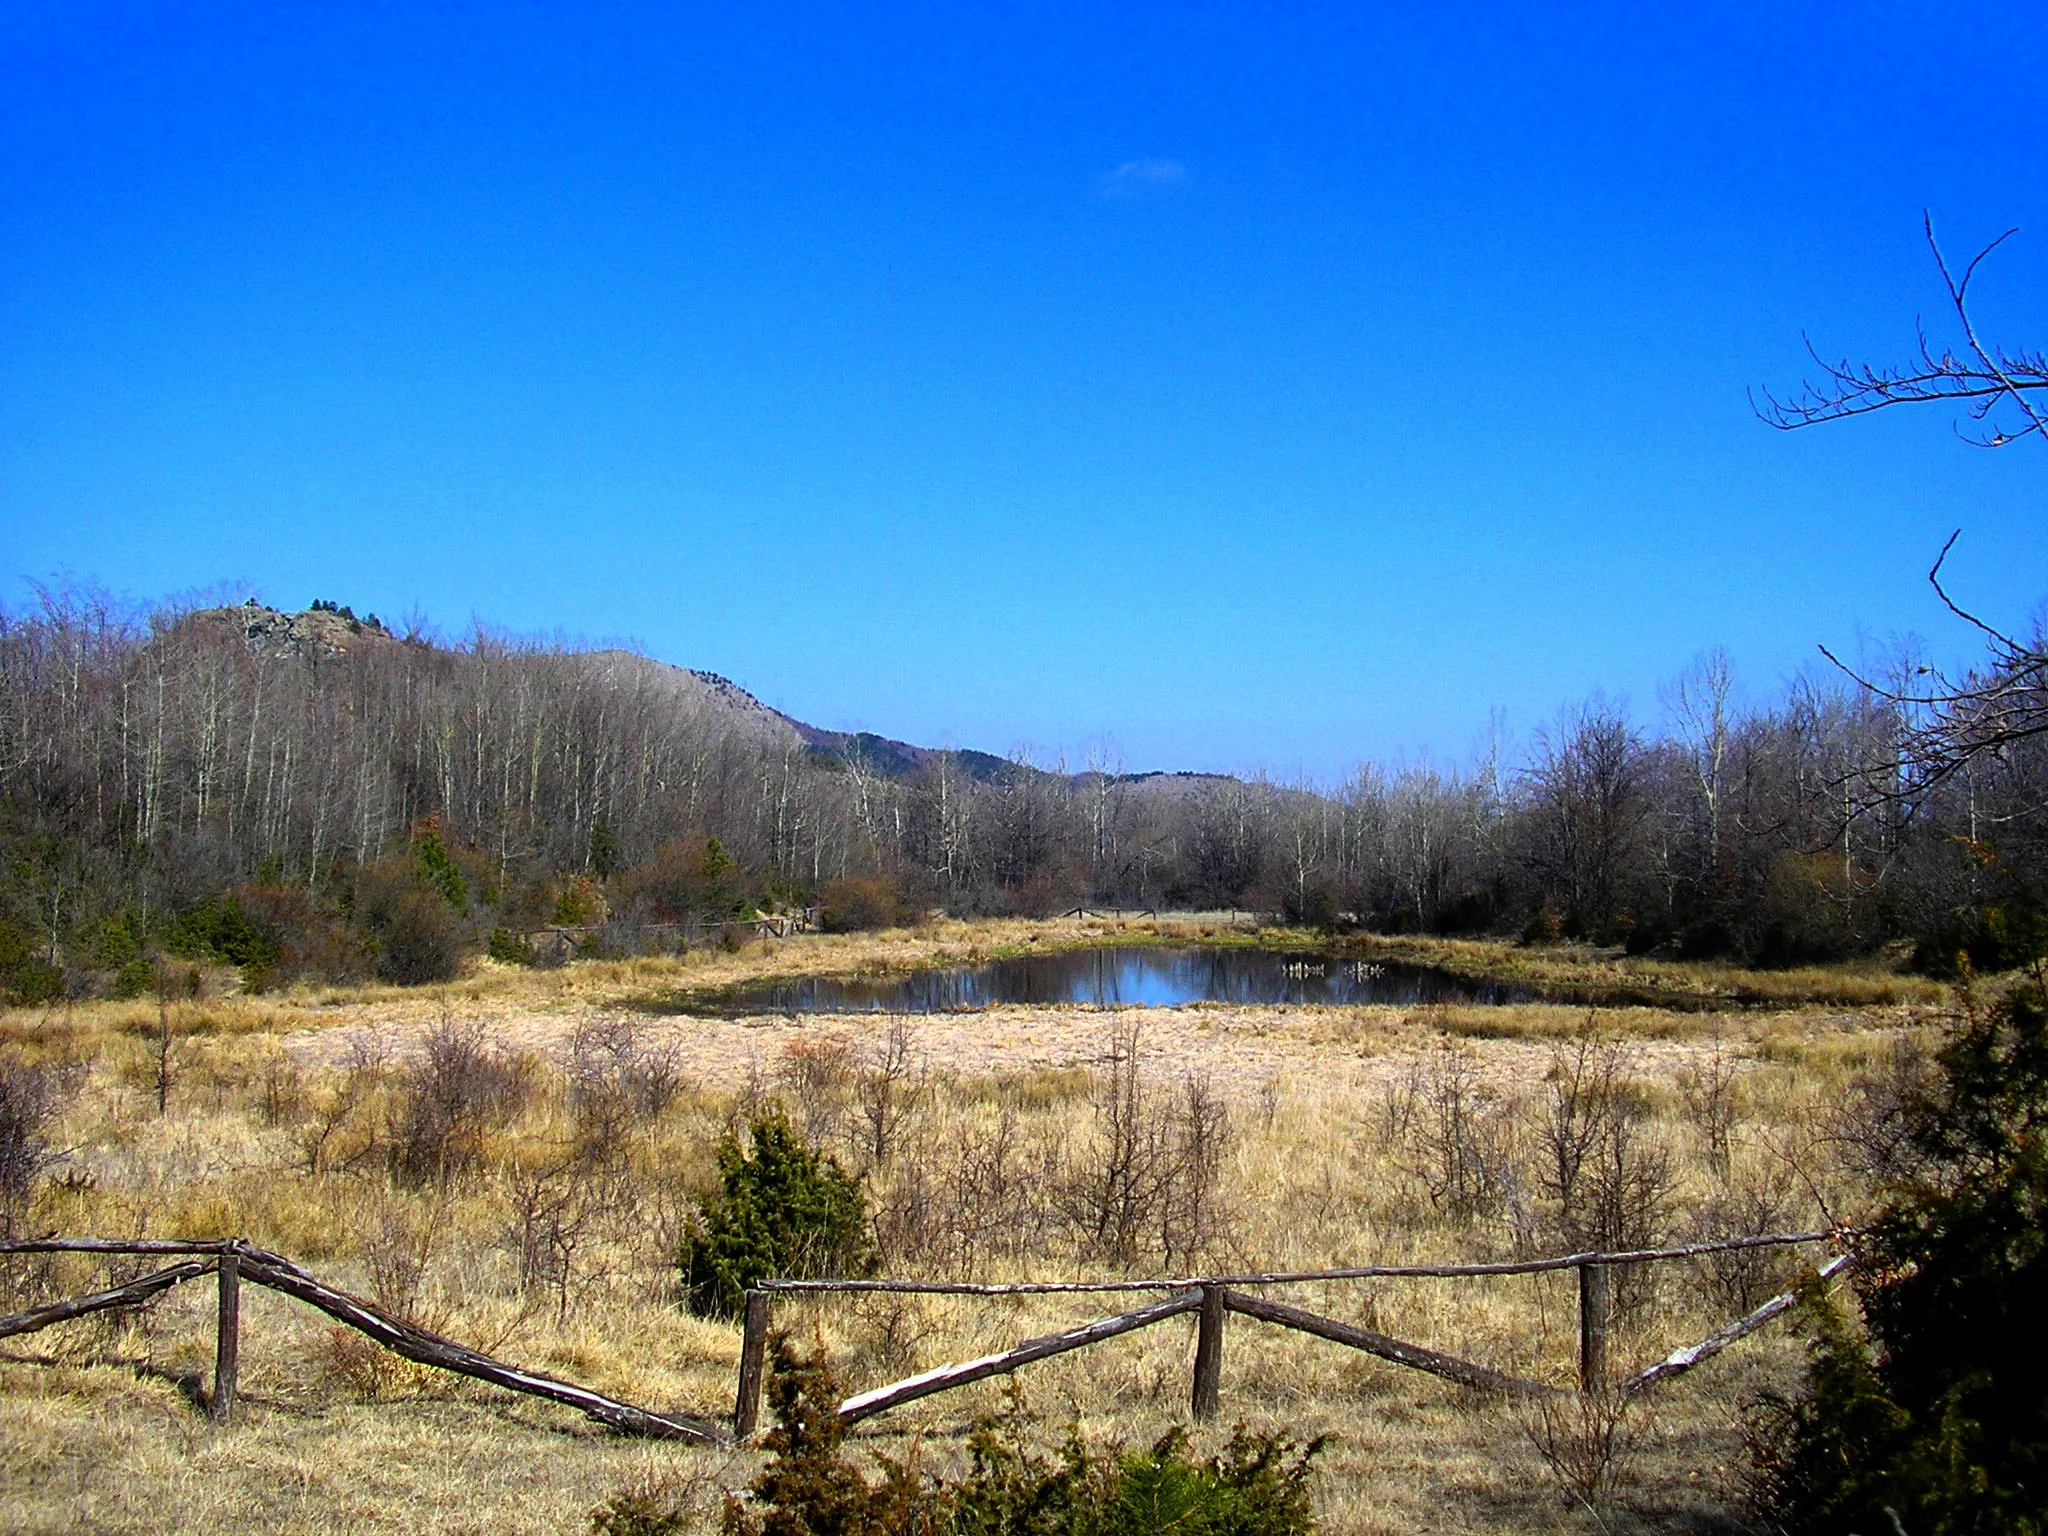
(1140, 175)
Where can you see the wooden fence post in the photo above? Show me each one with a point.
(1209, 1353)
(746, 1408)
(1593, 1315)
(227, 1338)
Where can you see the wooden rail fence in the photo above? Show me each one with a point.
(234, 1261)
(709, 927)
(1212, 1298)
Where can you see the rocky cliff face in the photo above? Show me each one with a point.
(318, 632)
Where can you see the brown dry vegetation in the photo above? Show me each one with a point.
(513, 1160)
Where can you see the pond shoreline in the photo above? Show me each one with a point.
(1116, 974)
(1570, 976)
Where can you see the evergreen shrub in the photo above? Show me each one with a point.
(509, 948)
(220, 930)
(581, 904)
(25, 978)
(438, 867)
(134, 979)
(1992, 938)
(1933, 1418)
(783, 1210)
(1258, 1485)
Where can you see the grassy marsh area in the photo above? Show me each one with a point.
(543, 1224)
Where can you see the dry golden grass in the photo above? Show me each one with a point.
(97, 1434)
(1864, 984)
(654, 983)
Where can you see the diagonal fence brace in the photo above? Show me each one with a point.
(133, 1294)
(414, 1343)
(1450, 1367)
(946, 1377)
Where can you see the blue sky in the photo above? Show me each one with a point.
(1253, 386)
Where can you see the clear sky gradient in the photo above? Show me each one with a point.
(1254, 386)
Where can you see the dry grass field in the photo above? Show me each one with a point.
(514, 1160)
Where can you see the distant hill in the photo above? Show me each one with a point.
(327, 630)
(723, 699)
(720, 699)
(883, 756)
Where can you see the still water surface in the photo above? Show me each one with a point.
(1149, 977)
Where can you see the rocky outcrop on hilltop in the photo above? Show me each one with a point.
(319, 632)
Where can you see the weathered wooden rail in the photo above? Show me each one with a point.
(709, 927)
(232, 1261)
(1213, 1297)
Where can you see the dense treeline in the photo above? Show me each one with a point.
(170, 784)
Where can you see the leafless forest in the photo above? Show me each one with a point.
(356, 802)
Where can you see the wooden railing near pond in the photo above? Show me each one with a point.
(561, 939)
(1212, 1298)
(233, 1261)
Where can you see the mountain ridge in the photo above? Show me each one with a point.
(326, 630)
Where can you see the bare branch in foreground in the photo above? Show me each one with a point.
(1981, 378)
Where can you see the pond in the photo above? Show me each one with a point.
(1149, 977)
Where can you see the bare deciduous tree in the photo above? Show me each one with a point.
(816, 1076)
(1149, 1177)
(1952, 721)
(1609, 1177)
(449, 1100)
(1588, 791)
(1981, 377)
(1455, 1128)
(890, 1085)
(1709, 1091)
